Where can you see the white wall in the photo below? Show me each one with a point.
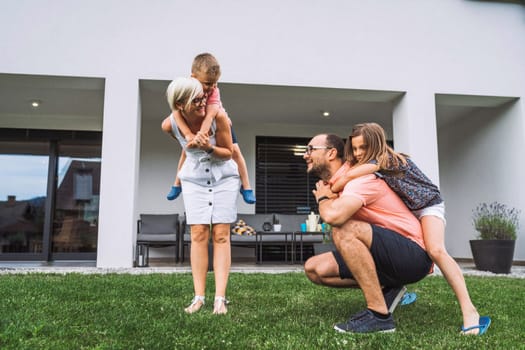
(394, 45)
(480, 161)
(414, 121)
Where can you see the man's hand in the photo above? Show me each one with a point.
(323, 189)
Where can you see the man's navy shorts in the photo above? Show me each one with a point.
(398, 260)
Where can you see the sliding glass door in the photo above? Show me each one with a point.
(75, 224)
(23, 193)
(49, 194)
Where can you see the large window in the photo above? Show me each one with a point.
(282, 184)
(49, 194)
(75, 225)
(23, 188)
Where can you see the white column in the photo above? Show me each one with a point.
(119, 173)
(415, 132)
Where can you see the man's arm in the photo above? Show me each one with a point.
(335, 211)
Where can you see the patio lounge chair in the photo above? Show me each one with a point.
(156, 230)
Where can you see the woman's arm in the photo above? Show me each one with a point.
(352, 173)
(166, 126)
(223, 136)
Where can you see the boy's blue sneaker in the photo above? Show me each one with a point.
(174, 192)
(247, 195)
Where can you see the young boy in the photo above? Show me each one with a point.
(206, 69)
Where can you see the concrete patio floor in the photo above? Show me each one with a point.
(89, 267)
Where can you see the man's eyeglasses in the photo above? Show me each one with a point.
(310, 148)
(198, 100)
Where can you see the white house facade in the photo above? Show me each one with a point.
(445, 78)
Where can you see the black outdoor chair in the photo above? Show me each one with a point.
(185, 237)
(156, 230)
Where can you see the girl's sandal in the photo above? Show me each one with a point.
(196, 304)
(219, 306)
(484, 324)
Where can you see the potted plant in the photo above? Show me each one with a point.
(497, 225)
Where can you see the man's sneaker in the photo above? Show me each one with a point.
(366, 322)
(393, 295)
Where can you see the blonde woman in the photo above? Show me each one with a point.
(210, 183)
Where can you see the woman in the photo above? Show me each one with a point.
(210, 183)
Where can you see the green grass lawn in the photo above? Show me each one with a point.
(283, 311)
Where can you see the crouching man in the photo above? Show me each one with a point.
(379, 241)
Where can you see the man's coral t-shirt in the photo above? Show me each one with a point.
(382, 207)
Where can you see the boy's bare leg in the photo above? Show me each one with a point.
(176, 189)
(246, 189)
(241, 164)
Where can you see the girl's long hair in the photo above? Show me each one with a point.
(377, 148)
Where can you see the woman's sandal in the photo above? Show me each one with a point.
(196, 304)
(219, 306)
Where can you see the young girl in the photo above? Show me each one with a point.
(367, 152)
(206, 70)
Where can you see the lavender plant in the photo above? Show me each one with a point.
(496, 221)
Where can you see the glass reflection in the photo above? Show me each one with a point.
(75, 225)
(23, 183)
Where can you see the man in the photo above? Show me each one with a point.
(378, 240)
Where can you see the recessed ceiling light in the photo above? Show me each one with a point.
(325, 114)
(36, 103)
